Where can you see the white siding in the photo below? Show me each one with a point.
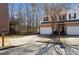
(45, 30)
(73, 30)
(72, 11)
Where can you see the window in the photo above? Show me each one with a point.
(59, 17)
(69, 16)
(74, 15)
(45, 19)
(64, 17)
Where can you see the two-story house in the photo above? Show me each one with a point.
(67, 21)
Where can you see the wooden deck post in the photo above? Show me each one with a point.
(2, 39)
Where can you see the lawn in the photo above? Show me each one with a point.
(7, 39)
(70, 40)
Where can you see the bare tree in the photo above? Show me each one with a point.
(12, 18)
(55, 11)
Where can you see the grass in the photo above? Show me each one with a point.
(7, 39)
(70, 40)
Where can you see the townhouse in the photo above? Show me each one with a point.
(68, 21)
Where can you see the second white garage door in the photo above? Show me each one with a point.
(45, 30)
(73, 30)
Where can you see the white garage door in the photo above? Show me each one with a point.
(73, 30)
(46, 30)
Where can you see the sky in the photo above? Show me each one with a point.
(25, 5)
(19, 5)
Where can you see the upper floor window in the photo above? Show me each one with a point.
(45, 19)
(69, 16)
(74, 15)
(59, 17)
(64, 17)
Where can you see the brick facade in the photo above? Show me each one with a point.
(4, 21)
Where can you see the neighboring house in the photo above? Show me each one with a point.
(4, 21)
(68, 21)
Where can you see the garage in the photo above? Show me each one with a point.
(72, 30)
(46, 30)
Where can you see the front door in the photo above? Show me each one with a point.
(62, 30)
